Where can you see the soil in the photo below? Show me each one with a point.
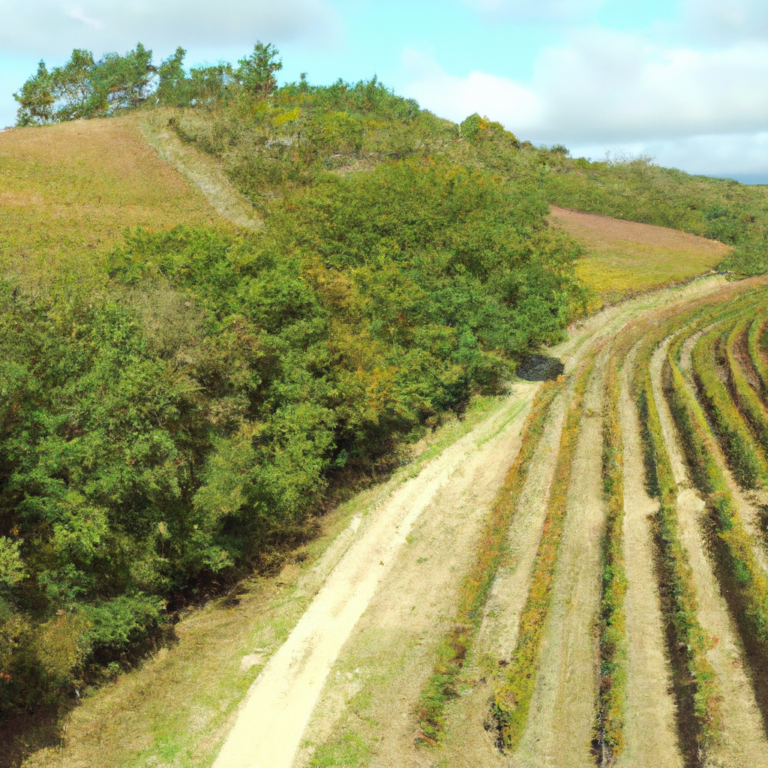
(562, 714)
(280, 703)
(204, 172)
(743, 741)
(650, 721)
(604, 231)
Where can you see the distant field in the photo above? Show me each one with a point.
(69, 191)
(626, 258)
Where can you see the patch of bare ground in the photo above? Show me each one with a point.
(562, 714)
(202, 171)
(468, 744)
(625, 258)
(651, 736)
(602, 231)
(743, 741)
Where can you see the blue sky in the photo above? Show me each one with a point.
(683, 81)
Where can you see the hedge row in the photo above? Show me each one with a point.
(749, 467)
(612, 695)
(757, 341)
(737, 548)
(696, 684)
(512, 697)
(452, 652)
(746, 398)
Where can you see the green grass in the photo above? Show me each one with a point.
(68, 192)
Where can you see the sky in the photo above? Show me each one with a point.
(682, 81)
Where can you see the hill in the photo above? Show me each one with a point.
(183, 399)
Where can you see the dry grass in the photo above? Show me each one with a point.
(69, 191)
(625, 258)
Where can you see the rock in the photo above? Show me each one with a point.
(540, 368)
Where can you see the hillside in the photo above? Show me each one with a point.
(255, 340)
(70, 191)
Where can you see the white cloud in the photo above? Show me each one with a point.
(54, 28)
(605, 86)
(736, 154)
(537, 9)
(721, 21)
(457, 97)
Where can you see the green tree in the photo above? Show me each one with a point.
(256, 73)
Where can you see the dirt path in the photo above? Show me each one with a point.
(272, 720)
(562, 715)
(388, 657)
(389, 604)
(650, 721)
(744, 742)
(204, 172)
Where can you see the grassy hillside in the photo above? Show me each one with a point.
(70, 191)
(623, 257)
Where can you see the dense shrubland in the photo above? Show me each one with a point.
(188, 419)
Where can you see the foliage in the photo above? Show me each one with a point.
(186, 418)
(613, 629)
(757, 342)
(457, 643)
(639, 190)
(745, 397)
(736, 545)
(512, 696)
(744, 456)
(85, 88)
(696, 683)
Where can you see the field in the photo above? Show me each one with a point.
(568, 574)
(69, 192)
(625, 257)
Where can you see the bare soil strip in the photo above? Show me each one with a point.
(651, 737)
(468, 743)
(272, 720)
(562, 715)
(390, 651)
(204, 172)
(744, 742)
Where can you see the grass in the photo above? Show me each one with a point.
(745, 397)
(514, 691)
(612, 694)
(453, 649)
(735, 544)
(757, 342)
(68, 192)
(624, 258)
(183, 701)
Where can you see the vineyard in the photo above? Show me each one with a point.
(614, 609)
